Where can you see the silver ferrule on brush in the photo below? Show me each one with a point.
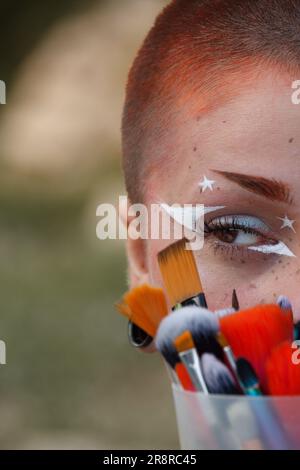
(191, 361)
(224, 312)
(232, 362)
(230, 357)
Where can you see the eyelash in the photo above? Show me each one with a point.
(225, 225)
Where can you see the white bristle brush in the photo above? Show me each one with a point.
(202, 324)
(217, 376)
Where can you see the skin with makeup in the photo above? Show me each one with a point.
(243, 156)
(211, 118)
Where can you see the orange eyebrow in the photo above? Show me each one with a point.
(269, 188)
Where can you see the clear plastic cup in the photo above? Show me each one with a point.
(228, 422)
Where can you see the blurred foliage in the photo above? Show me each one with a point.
(25, 23)
(70, 372)
(71, 379)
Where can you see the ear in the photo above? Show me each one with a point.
(136, 253)
(137, 261)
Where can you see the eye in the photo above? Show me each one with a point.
(241, 231)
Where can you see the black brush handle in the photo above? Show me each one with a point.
(199, 300)
(297, 331)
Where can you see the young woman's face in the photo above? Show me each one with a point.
(256, 134)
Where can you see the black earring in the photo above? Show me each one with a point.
(138, 337)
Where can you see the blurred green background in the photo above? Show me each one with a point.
(71, 379)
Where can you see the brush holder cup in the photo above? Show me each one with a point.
(228, 422)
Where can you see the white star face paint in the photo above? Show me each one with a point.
(206, 184)
(279, 249)
(287, 223)
(189, 215)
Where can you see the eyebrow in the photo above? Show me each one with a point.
(270, 188)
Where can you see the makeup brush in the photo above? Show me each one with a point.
(253, 333)
(228, 311)
(202, 324)
(247, 377)
(223, 312)
(285, 304)
(144, 306)
(185, 347)
(230, 357)
(217, 376)
(220, 382)
(283, 379)
(235, 301)
(180, 275)
(283, 371)
(270, 426)
(297, 331)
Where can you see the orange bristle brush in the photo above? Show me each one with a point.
(180, 275)
(283, 374)
(254, 332)
(185, 346)
(145, 306)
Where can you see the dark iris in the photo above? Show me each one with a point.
(226, 236)
(226, 233)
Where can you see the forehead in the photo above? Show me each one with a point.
(256, 131)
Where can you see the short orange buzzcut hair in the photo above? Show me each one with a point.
(199, 48)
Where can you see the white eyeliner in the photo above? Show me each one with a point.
(188, 216)
(279, 249)
(208, 209)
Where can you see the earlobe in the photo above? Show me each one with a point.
(136, 254)
(137, 270)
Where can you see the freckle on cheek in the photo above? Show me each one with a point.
(253, 286)
(298, 271)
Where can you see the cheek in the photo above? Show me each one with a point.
(283, 278)
(256, 281)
